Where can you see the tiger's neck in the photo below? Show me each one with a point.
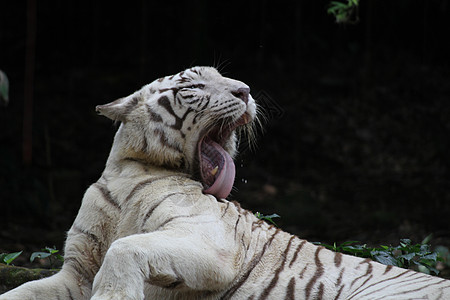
(147, 151)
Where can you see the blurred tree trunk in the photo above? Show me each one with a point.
(29, 83)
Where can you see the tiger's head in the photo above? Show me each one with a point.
(187, 122)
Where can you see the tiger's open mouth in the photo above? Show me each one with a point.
(217, 170)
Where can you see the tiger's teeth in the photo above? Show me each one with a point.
(214, 171)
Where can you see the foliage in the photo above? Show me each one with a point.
(50, 253)
(344, 12)
(267, 218)
(4, 89)
(8, 258)
(443, 255)
(405, 255)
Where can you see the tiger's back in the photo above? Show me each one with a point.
(270, 263)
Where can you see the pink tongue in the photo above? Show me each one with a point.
(217, 169)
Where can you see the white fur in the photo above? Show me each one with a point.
(145, 230)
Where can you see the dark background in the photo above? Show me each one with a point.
(356, 142)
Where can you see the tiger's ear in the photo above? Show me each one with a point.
(119, 109)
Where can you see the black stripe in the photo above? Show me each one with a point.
(90, 235)
(388, 268)
(131, 105)
(152, 209)
(144, 183)
(144, 144)
(320, 292)
(257, 224)
(218, 103)
(206, 103)
(290, 292)
(339, 280)
(256, 260)
(86, 274)
(165, 141)
(381, 281)
(368, 271)
(107, 195)
(317, 274)
(299, 247)
(408, 284)
(411, 282)
(362, 285)
(226, 209)
(230, 111)
(303, 271)
(235, 226)
(231, 105)
(339, 292)
(198, 116)
(275, 278)
(194, 70)
(167, 221)
(184, 79)
(69, 292)
(174, 91)
(165, 102)
(421, 287)
(153, 115)
(337, 259)
(238, 205)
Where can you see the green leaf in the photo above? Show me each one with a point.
(427, 239)
(8, 258)
(50, 250)
(424, 249)
(267, 218)
(349, 243)
(432, 256)
(405, 242)
(408, 256)
(272, 216)
(384, 258)
(41, 255)
(338, 4)
(423, 269)
(4, 87)
(60, 257)
(427, 266)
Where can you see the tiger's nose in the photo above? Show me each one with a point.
(242, 93)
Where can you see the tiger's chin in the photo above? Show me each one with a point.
(217, 169)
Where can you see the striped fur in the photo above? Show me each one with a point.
(146, 229)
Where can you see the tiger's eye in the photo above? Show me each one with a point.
(196, 86)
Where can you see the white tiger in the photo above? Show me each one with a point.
(156, 224)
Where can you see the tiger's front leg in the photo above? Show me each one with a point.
(164, 259)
